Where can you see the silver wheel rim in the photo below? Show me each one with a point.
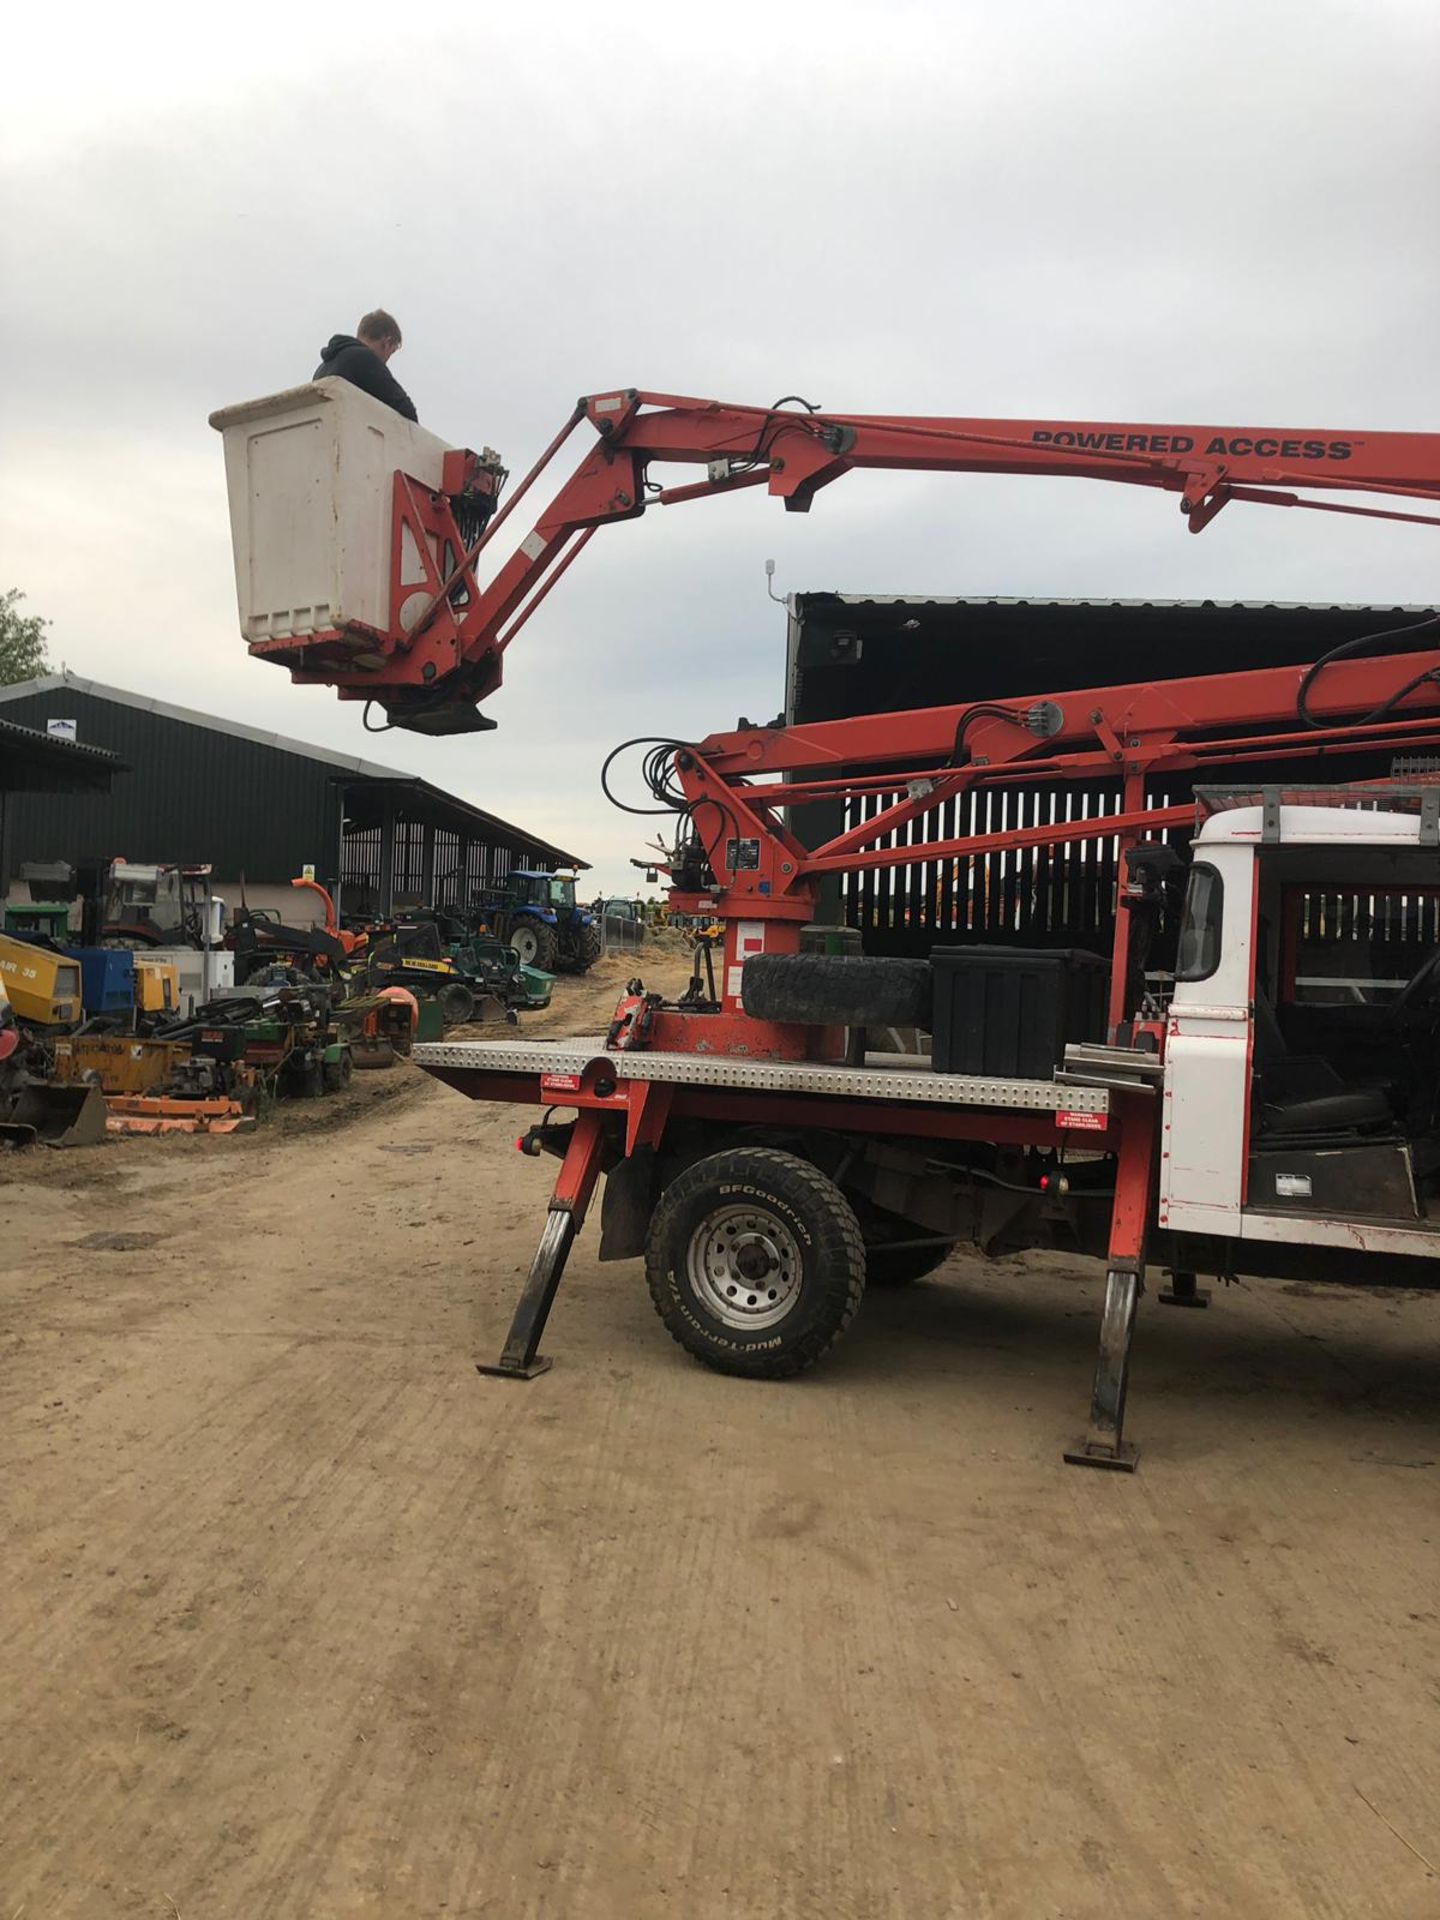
(526, 945)
(744, 1266)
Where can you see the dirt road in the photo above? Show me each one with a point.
(301, 1618)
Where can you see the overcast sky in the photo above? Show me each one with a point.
(1119, 211)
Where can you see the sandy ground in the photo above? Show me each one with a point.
(302, 1618)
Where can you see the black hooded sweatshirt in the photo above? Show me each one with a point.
(347, 358)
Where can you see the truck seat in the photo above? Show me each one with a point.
(1303, 1094)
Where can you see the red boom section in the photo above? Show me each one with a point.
(928, 755)
(741, 787)
(432, 672)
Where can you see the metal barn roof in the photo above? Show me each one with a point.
(235, 729)
(204, 787)
(35, 762)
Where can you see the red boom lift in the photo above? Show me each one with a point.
(741, 1060)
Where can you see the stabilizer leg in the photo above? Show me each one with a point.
(520, 1358)
(1104, 1443)
(1183, 1292)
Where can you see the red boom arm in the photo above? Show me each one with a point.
(905, 765)
(443, 648)
(448, 629)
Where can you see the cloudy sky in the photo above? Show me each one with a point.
(1117, 210)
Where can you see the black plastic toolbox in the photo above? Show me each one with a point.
(1011, 1012)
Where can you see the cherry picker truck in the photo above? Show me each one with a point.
(1225, 1118)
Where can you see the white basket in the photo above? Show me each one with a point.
(309, 473)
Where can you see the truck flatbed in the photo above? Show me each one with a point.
(891, 1094)
(883, 1077)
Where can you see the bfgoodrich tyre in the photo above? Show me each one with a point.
(755, 1262)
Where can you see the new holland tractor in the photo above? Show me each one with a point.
(537, 915)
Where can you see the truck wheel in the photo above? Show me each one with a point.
(535, 944)
(898, 1266)
(456, 1003)
(837, 990)
(755, 1262)
(336, 1074)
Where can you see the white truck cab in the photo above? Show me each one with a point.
(1302, 1050)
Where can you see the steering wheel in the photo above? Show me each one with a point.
(1418, 995)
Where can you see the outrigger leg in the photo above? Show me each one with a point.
(520, 1358)
(1104, 1443)
(1183, 1292)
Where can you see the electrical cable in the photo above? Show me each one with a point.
(657, 773)
(1346, 651)
(1012, 1186)
(744, 463)
(653, 771)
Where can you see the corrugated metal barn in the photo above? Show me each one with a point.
(856, 654)
(33, 762)
(36, 762)
(253, 804)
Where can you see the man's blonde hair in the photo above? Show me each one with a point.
(379, 325)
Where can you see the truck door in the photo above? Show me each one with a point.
(1205, 1127)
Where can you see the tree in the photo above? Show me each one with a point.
(23, 653)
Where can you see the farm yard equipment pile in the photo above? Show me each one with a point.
(446, 958)
(100, 1040)
(1242, 1090)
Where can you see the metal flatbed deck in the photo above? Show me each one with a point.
(881, 1078)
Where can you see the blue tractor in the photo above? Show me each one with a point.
(538, 917)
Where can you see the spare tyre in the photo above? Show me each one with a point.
(837, 990)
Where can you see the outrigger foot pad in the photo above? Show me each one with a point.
(1121, 1459)
(519, 1370)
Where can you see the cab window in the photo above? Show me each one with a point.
(1198, 954)
(1341, 947)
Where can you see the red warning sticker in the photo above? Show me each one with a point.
(1082, 1122)
(560, 1083)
